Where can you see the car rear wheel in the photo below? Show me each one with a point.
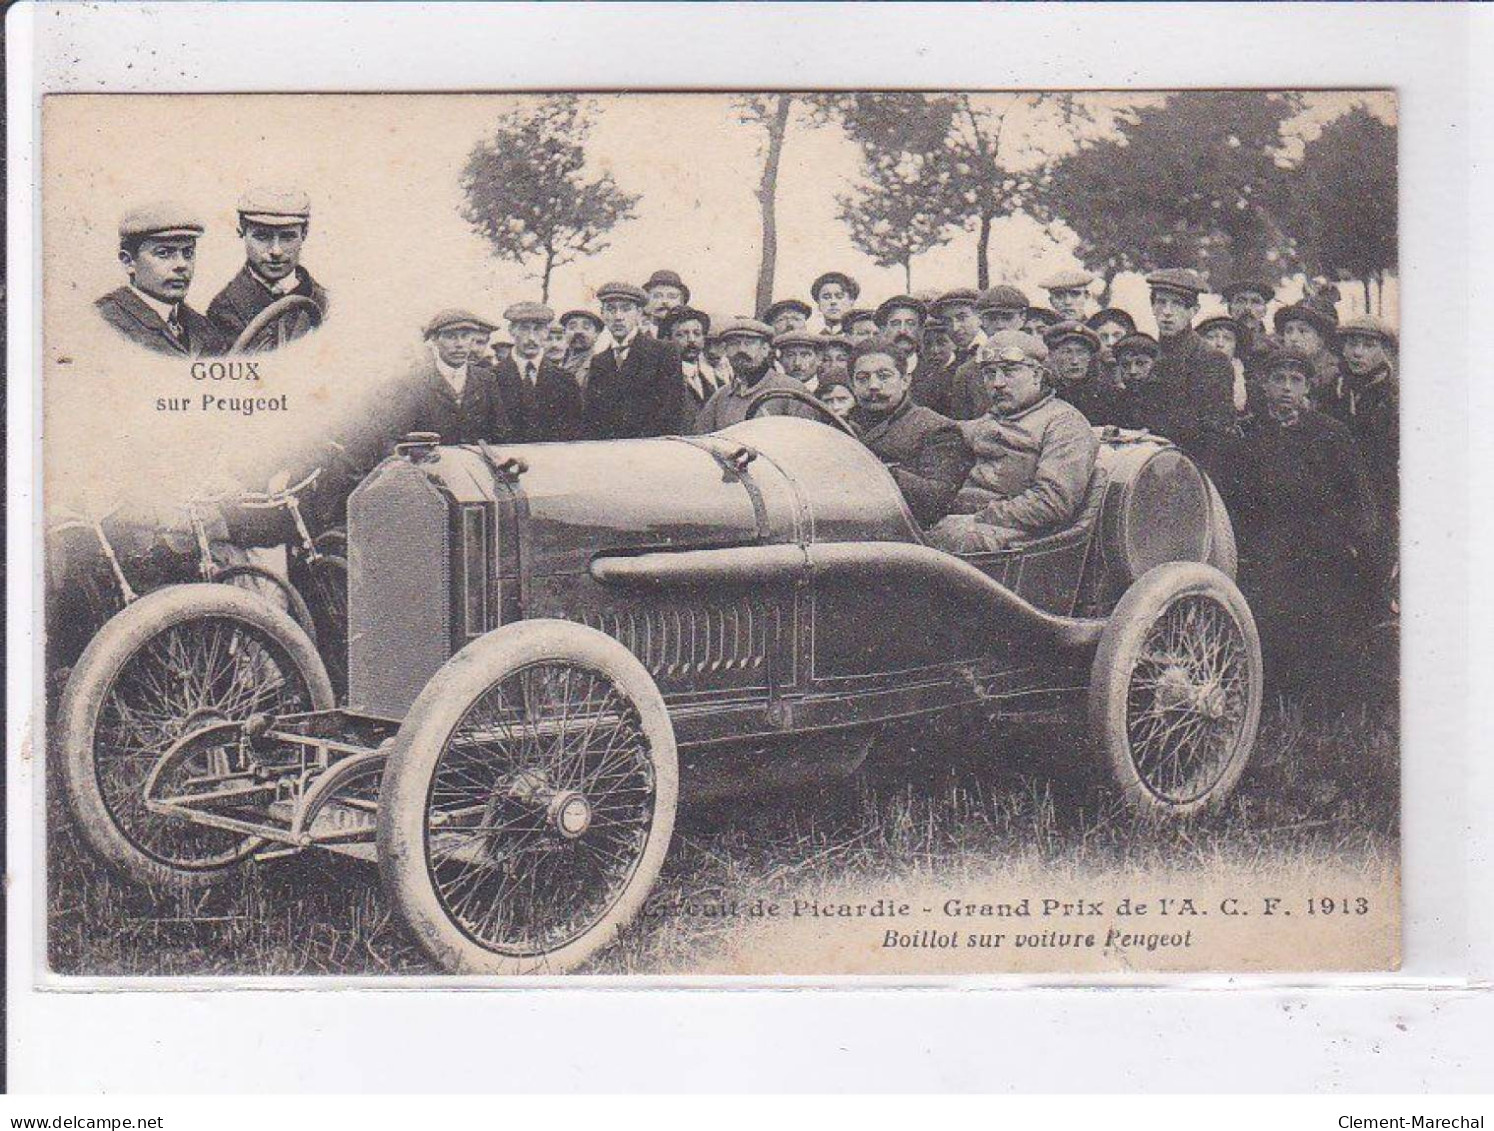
(1175, 690)
(529, 800)
(172, 665)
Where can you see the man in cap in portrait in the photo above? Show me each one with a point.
(1135, 362)
(944, 391)
(448, 392)
(859, 325)
(1190, 397)
(688, 329)
(541, 396)
(158, 248)
(666, 291)
(749, 348)
(834, 294)
(273, 224)
(835, 359)
(787, 314)
(1222, 334)
(1068, 294)
(1309, 531)
(636, 386)
(1034, 454)
(922, 449)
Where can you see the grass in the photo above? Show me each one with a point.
(1323, 790)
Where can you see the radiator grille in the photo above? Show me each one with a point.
(682, 644)
(399, 588)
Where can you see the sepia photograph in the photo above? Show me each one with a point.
(767, 534)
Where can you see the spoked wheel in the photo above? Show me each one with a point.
(529, 800)
(1175, 690)
(167, 668)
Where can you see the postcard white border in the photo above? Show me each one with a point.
(352, 1034)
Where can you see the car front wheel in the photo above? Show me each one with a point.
(1175, 690)
(529, 800)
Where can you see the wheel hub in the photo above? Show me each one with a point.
(567, 811)
(1176, 690)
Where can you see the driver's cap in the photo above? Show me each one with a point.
(1011, 346)
(279, 207)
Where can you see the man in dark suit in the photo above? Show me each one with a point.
(158, 247)
(924, 450)
(450, 392)
(688, 329)
(540, 395)
(636, 386)
(273, 225)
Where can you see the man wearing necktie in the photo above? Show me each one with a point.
(540, 395)
(688, 329)
(636, 388)
(448, 391)
(273, 225)
(158, 248)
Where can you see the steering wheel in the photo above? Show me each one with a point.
(803, 398)
(286, 306)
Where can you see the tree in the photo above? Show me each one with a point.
(984, 156)
(895, 215)
(1196, 181)
(1347, 198)
(527, 195)
(771, 112)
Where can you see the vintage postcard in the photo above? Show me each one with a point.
(784, 534)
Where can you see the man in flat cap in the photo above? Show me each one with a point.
(1367, 400)
(945, 391)
(859, 325)
(449, 391)
(1034, 454)
(158, 248)
(834, 294)
(273, 225)
(1000, 308)
(666, 291)
(582, 329)
(540, 395)
(1222, 334)
(1190, 397)
(1068, 294)
(500, 349)
(1247, 299)
(835, 359)
(1079, 373)
(1112, 324)
(922, 449)
(1311, 327)
(900, 320)
(1135, 361)
(749, 348)
(687, 329)
(636, 386)
(1309, 533)
(788, 314)
(1039, 319)
(799, 354)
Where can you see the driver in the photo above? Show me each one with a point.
(273, 224)
(749, 348)
(1034, 453)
